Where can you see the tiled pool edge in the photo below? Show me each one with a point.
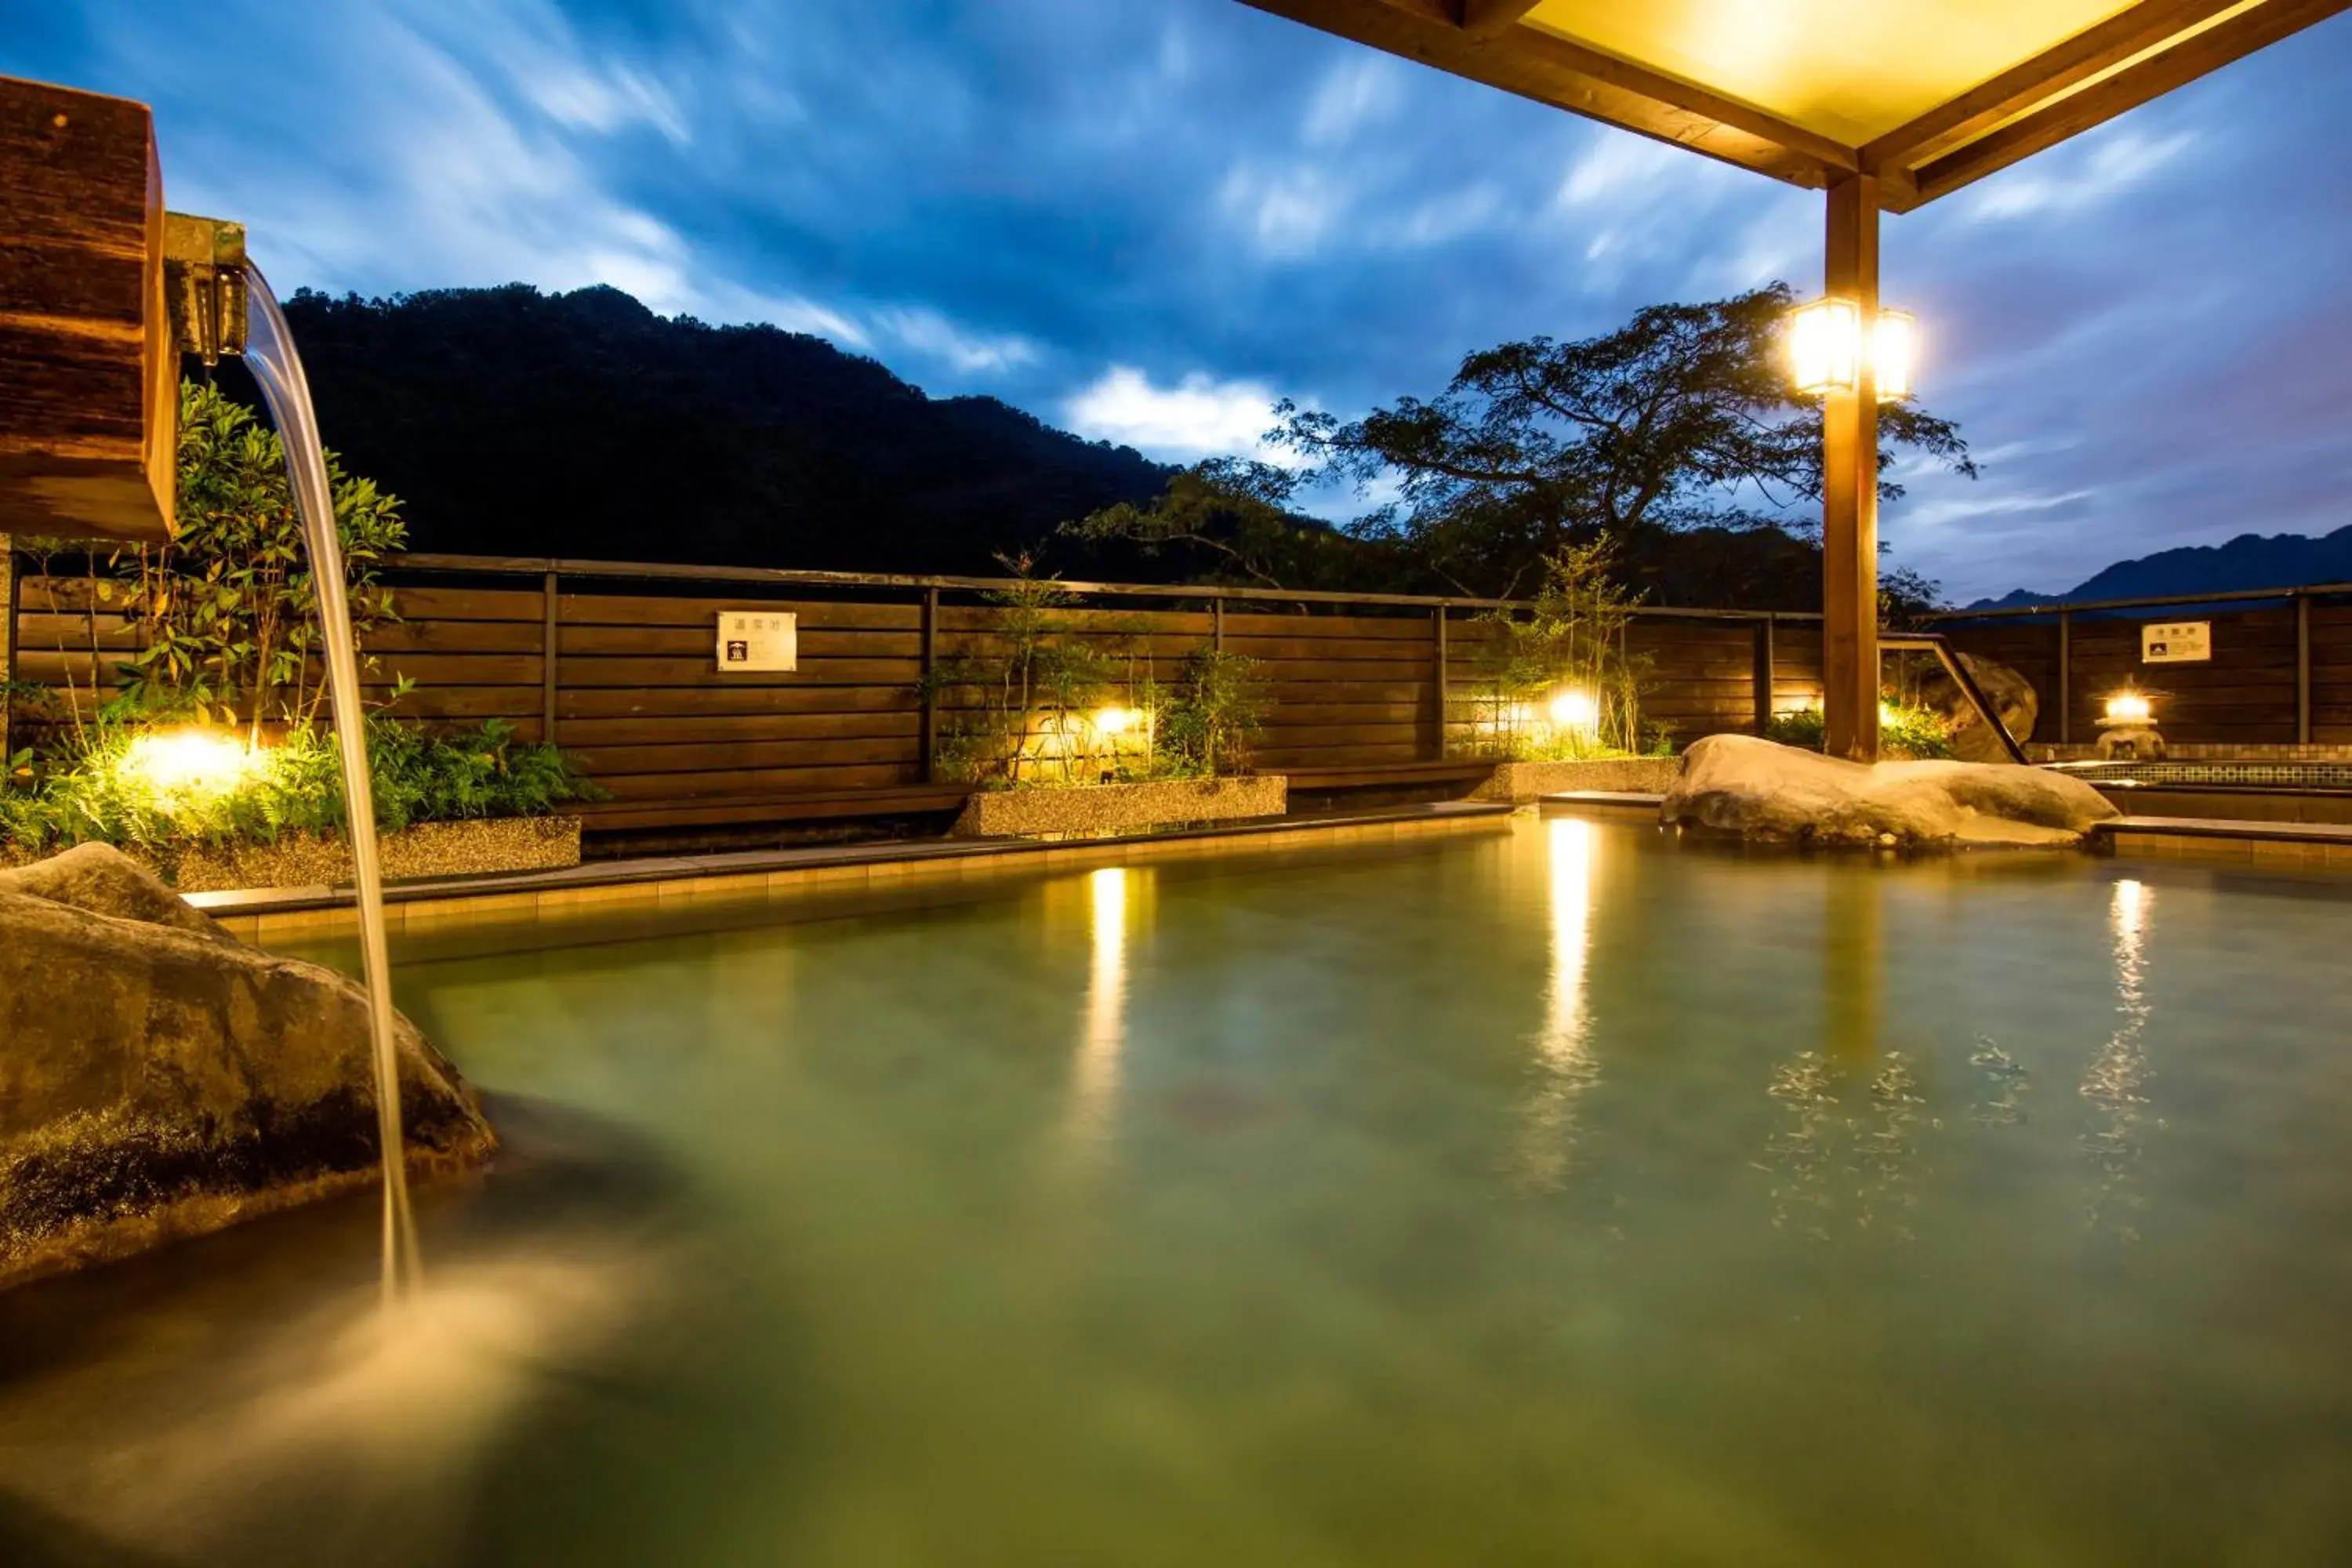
(599, 887)
(2174, 837)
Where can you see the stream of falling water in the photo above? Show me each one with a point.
(269, 354)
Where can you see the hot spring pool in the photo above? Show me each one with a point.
(1557, 1194)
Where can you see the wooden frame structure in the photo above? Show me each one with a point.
(1884, 105)
(88, 408)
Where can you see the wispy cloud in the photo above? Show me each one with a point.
(932, 335)
(2079, 177)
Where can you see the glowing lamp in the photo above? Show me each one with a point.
(1114, 723)
(2128, 708)
(1574, 710)
(1825, 348)
(1825, 345)
(1893, 337)
(177, 761)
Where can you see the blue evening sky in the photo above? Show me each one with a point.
(1145, 219)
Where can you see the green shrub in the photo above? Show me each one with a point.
(1904, 729)
(1214, 716)
(1555, 682)
(122, 784)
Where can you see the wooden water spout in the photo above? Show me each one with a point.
(88, 408)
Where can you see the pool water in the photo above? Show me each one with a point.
(1556, 1194)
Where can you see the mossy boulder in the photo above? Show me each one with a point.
(159, 1078)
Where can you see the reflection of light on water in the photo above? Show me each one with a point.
(1564, 1046)
(1833, 1160)
(356, 1428)
(2119, 1072)
(1095, 1082)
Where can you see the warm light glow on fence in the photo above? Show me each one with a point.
(174, 761)
(1825, 347)
(2128, 708)
(1116, 722)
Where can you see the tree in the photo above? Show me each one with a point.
(1237, 515)
(228, 607)
(1681, 419)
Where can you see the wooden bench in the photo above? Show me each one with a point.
(1374, 775)
(746, 811)
(912, 800)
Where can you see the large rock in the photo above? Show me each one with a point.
(1739, 784)
(2011, 696)
(159, 1078)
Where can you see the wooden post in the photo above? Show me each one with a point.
(2302, 669)
(2065, 678)
(1762, 679)
(550, 650)
(1850, 491)
(930, 741)
(8, 600)
(1437, 631)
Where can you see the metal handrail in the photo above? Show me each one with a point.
(780, 577)
(2158, 602)
(1934, 642)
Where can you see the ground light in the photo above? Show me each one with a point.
(1575, 709)
(189, 760)
(1113, 723)
(2130, 708)
(1825, 344)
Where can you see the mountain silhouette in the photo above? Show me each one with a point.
(513, 422)
(2249, 561)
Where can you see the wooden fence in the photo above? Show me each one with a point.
(2281, 672)
(617, 663)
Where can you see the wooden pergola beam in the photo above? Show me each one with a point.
(2025, 86)
(1552, 70)
(2070, 116)
(1485, 18)
(2066, 89)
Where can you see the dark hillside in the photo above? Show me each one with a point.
(513, 422)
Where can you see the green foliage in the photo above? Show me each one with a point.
(1566, 648)
(1904, 729)
(106, 788)
(1214, 715)
(229, 610)
(1026, 702)
(227, 617)
(1016, 703)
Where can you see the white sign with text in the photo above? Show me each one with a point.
(758, 641)
(2178, 642)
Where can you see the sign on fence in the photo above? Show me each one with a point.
(755, 641)
(2176, 642)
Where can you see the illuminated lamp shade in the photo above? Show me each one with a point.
(2128, 708)
(1574, 710)
(1115, 721)
(1826, 346)
(1893, 338)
